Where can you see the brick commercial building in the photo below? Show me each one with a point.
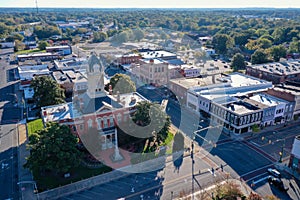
(278, 72)
(290, 93)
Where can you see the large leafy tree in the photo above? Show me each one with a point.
(222, 43)
(151, 115)
(53, 149)
(294, 46)
(278, 52)
(99, 36)
(259, 56)
(121, 83)
(42, 45)
(238, 62)
(47, 91)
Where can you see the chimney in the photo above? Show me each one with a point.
(151, 61)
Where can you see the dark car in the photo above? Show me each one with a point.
(277, 183)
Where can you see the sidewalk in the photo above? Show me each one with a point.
(251, 135)
(245, 189)
(26, 184)
(283, 166)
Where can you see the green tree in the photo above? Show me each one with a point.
(278, 35)
(53, 148)
(238, 62)
(278, 52)
(14, 37)
(19, 46)
(222, 43)
(99, 36)
(138, 34)
(150, 113)
(258, 57)
(294, 46)
(42, 45)
(121, 83)
(91, 140)
(47, 91)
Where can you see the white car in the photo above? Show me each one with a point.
(274, 172)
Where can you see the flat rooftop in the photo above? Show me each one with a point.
(268, 99)
(242, 107)
(60, 77)
(35, 55)
(155, 61)
(192, 82)
(158, 54)
(28, 72)
(57, 112)
(59, 47)
(279, 68)
(74, 63)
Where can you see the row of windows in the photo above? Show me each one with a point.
(157, 69)
(105, 122)
(232, 118)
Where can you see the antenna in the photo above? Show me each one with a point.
(37, 8)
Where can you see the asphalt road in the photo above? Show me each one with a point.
(9, 116)
(173, 180)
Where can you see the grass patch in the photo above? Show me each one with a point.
(30, 51)
(34, 126)
(50, 181)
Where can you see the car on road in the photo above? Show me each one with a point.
(274, 172)
(277, 183)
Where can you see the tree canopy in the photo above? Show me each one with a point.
(42, 45)
(121, 83)
(150, 113)
(258, 57)
(54, 149)
(238, 62)
(46, 91)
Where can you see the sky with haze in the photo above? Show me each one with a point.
(152, 3)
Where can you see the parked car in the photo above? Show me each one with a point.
(274, 172)
(277, 183)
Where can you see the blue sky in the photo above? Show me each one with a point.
(152, 3)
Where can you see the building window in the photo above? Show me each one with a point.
(105, 122)
(90, 123)
(81, 127)
(99, 123)
(111, 121)
(162, 69)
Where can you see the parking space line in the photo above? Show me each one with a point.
(67, 198)
(108, 190)
(94, 192)
(84, 196)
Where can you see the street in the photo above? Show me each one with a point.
(10, 114)
(246, 161)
